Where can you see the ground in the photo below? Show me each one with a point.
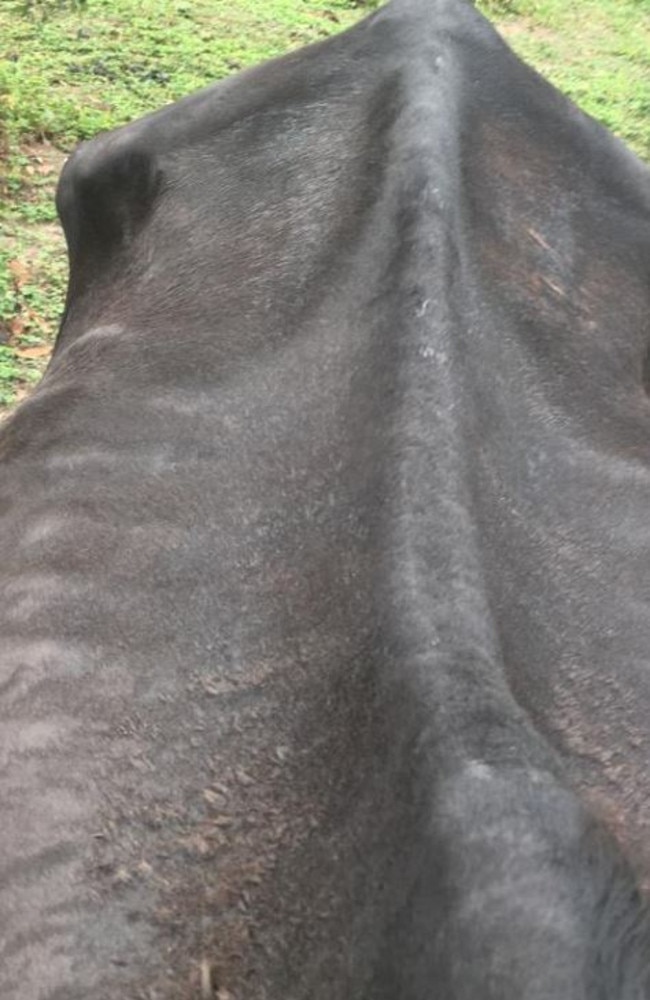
(70, 68)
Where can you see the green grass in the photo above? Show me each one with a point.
(71, 68)
(596, 51)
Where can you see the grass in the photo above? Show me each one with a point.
(71, 68)
(596, 51)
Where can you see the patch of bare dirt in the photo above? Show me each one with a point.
(523, 27)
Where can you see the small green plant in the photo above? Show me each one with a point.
(7, 302)
(10, 373)
(14, 372)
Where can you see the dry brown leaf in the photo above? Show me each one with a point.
(35, 319)
(19, 272)
(39, 351)
(16, 326)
